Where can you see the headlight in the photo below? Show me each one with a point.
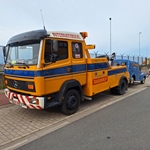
(34, 101)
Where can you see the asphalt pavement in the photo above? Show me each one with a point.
(122, 126)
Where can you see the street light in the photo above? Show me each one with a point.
(139, 43)
(110, 36)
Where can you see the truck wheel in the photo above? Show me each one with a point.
(71, 102)
(143, 81)
(122, 87)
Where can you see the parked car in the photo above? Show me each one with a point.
(133, 68)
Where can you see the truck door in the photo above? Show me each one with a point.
(58, 71)
(78, 62)
(135, 70)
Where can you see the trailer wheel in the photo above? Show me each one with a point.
(71, 102)
(122, 87)
(143, 80)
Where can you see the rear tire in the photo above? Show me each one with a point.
(122, 87)
(71, 102)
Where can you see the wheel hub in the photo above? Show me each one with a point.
(72, 102)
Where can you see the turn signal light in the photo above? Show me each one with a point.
(84, 34)
(30, 86)
(6, 82)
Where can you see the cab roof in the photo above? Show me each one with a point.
(40, 34)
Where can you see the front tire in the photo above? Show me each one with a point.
(71, 102)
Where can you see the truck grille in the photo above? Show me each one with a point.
(21, 85)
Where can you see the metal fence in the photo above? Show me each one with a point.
(140, 60)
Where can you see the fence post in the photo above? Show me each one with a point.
(122, 56)
(95, 54)
(128, 56)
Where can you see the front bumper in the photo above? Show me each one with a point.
(30, 102)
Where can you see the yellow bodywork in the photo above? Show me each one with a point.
(107, 77)
(97, 75)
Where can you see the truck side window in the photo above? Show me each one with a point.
(77, 50)
(61, 54)
(48, 51)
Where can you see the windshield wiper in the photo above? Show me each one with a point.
(23, 64)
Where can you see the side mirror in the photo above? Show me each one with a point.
(4, 53)
(55, 45)
(53, 58)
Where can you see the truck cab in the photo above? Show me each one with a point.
(44, 69)
(133, 68)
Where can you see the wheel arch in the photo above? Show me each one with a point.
(68, 85)
(134, 76)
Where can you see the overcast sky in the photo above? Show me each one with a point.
(129, 18)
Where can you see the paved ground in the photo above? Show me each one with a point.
(3, 99)
(16, 122)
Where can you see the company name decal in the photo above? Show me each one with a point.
(64, 35)
(100, 80)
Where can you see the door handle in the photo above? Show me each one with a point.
(68, 69)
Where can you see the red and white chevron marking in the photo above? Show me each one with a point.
(24, 101)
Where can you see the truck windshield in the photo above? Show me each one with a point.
(23, 53)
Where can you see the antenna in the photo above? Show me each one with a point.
(42, 19)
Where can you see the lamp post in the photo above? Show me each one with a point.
(139, 43)
(110, 36)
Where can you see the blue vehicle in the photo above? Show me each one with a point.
(133, 68)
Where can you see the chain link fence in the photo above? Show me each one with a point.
(140, 60)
